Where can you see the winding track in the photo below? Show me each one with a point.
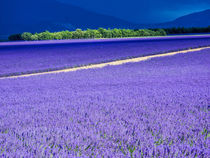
(101, 65)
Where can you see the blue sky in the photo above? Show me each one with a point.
(143, 11)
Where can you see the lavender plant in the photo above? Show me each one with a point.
(155, 108)
(28, 57)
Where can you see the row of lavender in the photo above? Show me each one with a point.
(155, 108)
(28, 57)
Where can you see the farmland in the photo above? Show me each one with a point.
(27, 57)
(153, 108)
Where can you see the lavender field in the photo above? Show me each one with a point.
(29, 57)
(155, 108)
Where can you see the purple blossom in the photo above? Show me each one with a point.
(158, 108)
(37, 56)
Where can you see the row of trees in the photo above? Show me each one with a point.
(182, 30)
(87, 34)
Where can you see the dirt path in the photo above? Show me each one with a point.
(117, 62)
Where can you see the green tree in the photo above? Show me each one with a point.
(34, 37)
(126, 33)
(57, 35)
(91, 33)
(116, 33)
(97, 34)
(87, 34)
(108, 33)
(103, 32)
(78, 34)
(45, 36)
(26, 36)
(161, 32)
(66, 34)
(15, 37)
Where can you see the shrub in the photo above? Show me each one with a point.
(66, 35)
(26, 36)
(15, 37)
(45, 36)
(34, 37)
(78, 34)
(57, 35)
(89, 33)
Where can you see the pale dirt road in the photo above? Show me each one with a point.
(101, 65)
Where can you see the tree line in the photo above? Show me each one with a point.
(183, 30)
(105, 33)
(87, 34)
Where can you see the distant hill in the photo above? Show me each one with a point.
(18, 16)
(198, 19)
